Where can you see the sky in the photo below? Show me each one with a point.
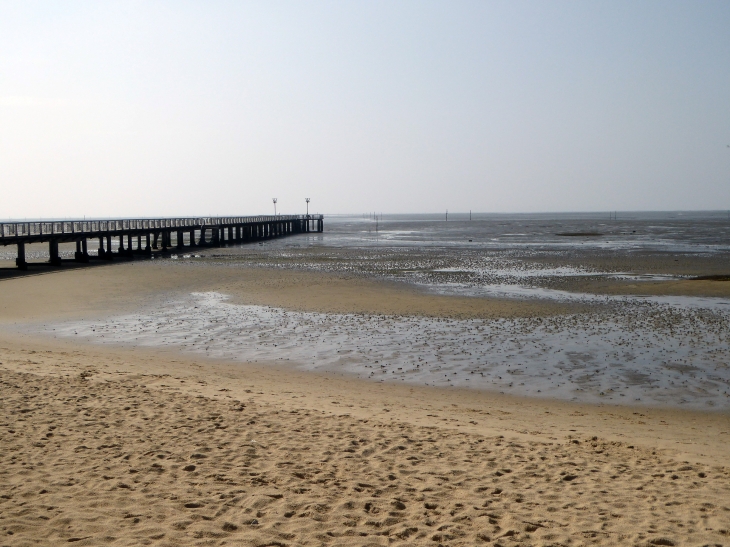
(158, 109)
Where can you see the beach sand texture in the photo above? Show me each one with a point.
(117, 462)
(140, 447)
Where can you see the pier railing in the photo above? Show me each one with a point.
(25, 229)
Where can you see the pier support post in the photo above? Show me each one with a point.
(154, 241)
(192, 238)
(108, 249)
(121, 245)
(20, 261)
(139, 243)
(101, 253)
(148, 248)
(53, 252)
(79, 254)
(180, 240)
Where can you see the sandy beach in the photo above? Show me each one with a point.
(134, 445)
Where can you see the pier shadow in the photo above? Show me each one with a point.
(8, 269)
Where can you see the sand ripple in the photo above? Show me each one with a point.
(117, 462)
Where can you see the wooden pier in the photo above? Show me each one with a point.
(142, 236)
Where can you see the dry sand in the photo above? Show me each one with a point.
(127, 447)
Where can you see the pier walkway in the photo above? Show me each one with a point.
(144, 235)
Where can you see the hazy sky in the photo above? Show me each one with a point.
(198, 108)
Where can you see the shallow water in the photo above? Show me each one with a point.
(668, 231)
(655, 355)
(513, 256)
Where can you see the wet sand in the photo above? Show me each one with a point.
(129, 446)
(633, 353)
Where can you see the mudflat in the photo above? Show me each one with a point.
(129, 446)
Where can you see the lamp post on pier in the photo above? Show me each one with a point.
(274, 200)
(307, 200)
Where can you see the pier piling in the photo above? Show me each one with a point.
(20, 261)
(54, 259)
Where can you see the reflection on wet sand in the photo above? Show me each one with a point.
(636, 352)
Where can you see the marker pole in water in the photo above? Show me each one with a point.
(447, 215)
